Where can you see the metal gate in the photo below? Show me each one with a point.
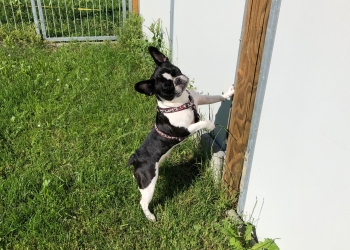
(66, 20)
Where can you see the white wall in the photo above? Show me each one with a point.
(206, 44)
(301, 167)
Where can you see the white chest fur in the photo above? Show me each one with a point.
(183, 118)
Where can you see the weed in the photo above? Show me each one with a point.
(241, 237)
(26, 37)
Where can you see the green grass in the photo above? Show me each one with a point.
(69, 120)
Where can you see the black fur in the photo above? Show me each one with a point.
(152, 149)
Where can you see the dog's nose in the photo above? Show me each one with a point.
(178, 81)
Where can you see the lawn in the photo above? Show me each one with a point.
(69, 120)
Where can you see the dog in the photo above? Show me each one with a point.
(176, 119)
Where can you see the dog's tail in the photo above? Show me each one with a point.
(131, 160)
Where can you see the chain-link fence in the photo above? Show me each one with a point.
(65, 20)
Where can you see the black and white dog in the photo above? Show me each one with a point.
(176, 119)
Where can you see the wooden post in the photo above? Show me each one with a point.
(135, 6)
(251, 50)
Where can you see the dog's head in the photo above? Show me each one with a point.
(167, 81)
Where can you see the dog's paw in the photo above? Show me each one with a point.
(151, 217)
(229, 93)
(210, 125)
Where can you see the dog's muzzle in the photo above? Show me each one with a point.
(180, 80)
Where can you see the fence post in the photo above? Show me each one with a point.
(35, 16)
(42, 20)
(251, 50)
(171, 37)
(135, 6)
(124, 10)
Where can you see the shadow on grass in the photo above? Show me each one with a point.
(177, 176)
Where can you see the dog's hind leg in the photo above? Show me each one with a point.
(147, 194)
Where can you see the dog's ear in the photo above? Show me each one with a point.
(146, 87)
(157, 56)
(131, 160)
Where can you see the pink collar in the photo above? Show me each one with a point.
(168, 136)
(187, 105)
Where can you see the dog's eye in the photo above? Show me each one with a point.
(167, 84)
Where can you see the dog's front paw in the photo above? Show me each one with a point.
(151, 217)
(210, 125)
(229, 93)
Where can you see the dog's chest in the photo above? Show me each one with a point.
(183, 118)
